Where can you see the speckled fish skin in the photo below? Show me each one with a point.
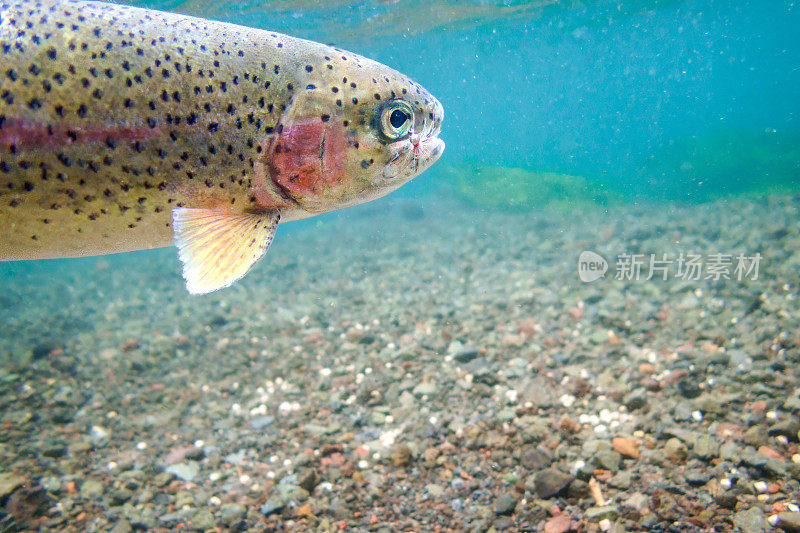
(111, 116)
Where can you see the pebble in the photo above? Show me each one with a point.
(426, 388)
(608, 460)
(271, 506)
(558, 524)
(706, 447)
(230, 513)
(550, 482)
(751, 520)
(184, 471)
(505, 504)
(626, 446)
(202, 520)
(10, 481)
(636, 399)
(91, 489)
(675, 450)
(597, 513)
(789, 521)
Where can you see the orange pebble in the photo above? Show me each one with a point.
(625, 446)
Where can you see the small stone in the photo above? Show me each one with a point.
(534, 459)
(202, 520)
(625, 446)
(558, 524)
(608, 460)
(289, 492)
(636, 399)
(550, 482)
(91, 489)
(706, 447)
(10, 481)
(308, 480)
(622, 480)
(465, 354)
(756, 436)
(434, 490)
(184, 471)
(426, 388)
(729, 451)
(400, 455)
(597, 513)
(789, 521)
(271, 506)
(789, 428)
(230, 513)
(727, 499)
(696, 478)
(262, 422)
(751, 520)
(675, 450)
(505, 504)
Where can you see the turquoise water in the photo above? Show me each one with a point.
(431, 353)
(659, 99)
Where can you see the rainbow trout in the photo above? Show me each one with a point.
(124, 129)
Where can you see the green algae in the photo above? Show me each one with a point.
(520, 189)
(723, 164)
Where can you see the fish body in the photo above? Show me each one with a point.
(124, 128)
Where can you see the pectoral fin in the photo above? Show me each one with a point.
(217, 247)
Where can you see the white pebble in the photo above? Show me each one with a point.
(99, 432)
(244, 479)
(576, 467)
(567, 400)
(605, 524)
(141, 446)
(725, 483)
(511, 395)
(774, 520)
(214, 476)
(111, 465)
(214, 501)
(761, 486)
(796, 458)
(697, 416)
(326, 486)
(199, 443)
(793, 507)
(772, 415)
(325, 372)
(362, 464)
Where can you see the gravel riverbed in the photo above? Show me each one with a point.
(415, 366)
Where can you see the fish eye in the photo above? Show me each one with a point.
(397, 119)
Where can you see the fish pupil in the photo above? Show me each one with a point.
(398, 118)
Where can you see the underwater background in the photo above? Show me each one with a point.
(437, 358)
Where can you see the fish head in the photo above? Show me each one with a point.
(356, 131)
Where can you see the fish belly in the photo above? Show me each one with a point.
(111, 116)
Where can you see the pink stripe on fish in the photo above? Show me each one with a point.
(27, 135)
